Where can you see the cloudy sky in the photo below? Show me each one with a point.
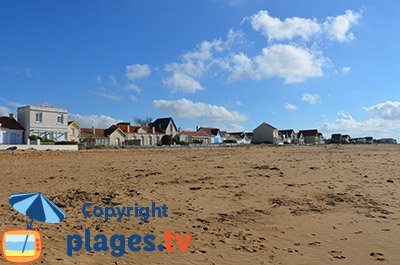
(331, 65)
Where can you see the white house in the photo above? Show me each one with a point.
(194, 137)
(312, 136)
(288, 136)
(46, 122)
(266, 134)
(11, 132)
(165, 126)
(214, 133)
(238, 137)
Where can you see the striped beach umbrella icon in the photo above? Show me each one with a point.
(37, 207)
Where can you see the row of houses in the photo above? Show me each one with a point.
(266, 133)
(50, 124)
(47, 123)
(338, 138)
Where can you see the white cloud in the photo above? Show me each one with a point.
(4, 111)
(346, 69)
(182, 82)
(334, 28)
(133, 87)
(291, 63)
(186, 75)
(338, 28)
(97, 121)
(389, 110)
(186, 109)
(137, 71)
(242, 68)
(385, 122)
(290, 106)
(311, 98)
(104, 94)
(276, 29)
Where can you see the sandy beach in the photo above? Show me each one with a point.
(246, 205)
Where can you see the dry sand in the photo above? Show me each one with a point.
(249, 205)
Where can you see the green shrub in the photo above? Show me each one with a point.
(66, 143)
(34, 138)
(166, 140)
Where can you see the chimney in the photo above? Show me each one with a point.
(197, 128)
(93, 130)
(154, 130)
(11, 116)
(129, 128)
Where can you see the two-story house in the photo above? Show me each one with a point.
(47, 122)
(266, 133)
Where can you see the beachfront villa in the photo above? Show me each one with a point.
(11, 131)
(214, 133)
(311, 136)
(165, 126)
(46, 122)
(91, 137)
(237, 138)
(74, 131)
(265, 134)
(140, 135)
(194, 137)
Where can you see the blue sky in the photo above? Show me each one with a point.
(230, 63)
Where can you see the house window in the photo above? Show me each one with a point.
(39, 117)
(60, 119)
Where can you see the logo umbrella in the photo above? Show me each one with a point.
(37, 207)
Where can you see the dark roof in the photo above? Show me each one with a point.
(161, 124)
(249, 135)
(287, 132)
(209, 131)
(71, 122)
(240, 135)
(10, 123)
(109, 131)
(312, 132)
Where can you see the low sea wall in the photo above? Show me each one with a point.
(41, 147)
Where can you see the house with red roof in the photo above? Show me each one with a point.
(11, 131)
(140, 135)
(312, 136)
(194, 137)
(112, 136)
